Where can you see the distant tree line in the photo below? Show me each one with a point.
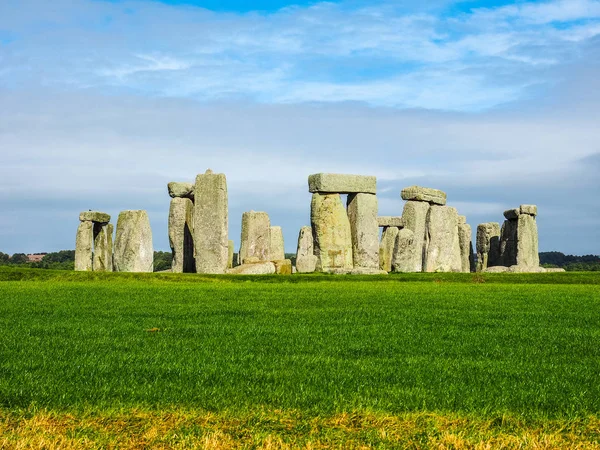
(570, 263)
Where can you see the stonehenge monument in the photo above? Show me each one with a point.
(133, 243)
(94, 243)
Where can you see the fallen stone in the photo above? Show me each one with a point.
(527, 241)
(306, 261)
(443, 247)
(423, 194)
(528, 209)
(496, 269)
(83, 246)
(366, 271)
(262, 268)
(94, 216)
(403, 259)
(181, 190)
(283, 267)
(390, 221)
(256, 236)
(386, 248)
(133, 243)
(252, 260)
(181, 235)
(518, 268)
(211, 226)
(415, 219)
(331, 233)
(334, 183)
(511, 214)
(555, 269)
(364, 228)
(277, 249)
(102, 261)
(488, 245)
(466, 247)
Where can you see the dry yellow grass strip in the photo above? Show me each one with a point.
(185, 429)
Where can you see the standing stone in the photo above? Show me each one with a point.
(181, 236)
(443, 249)
(230, 253)
(527, 242)
(102, 253)
(277, 249)
(488, 245)
(256, 236)
(331, 233)
(306, 261)
(386, 248)
(403, 258)
(110, 229)
(466, 248)
(133, 243)
(83, 246)
(211, 241)
(414, 217)
(364, 226)
(508, 243)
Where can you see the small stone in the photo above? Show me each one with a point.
(443, 249)
(277, 249)
(528, 209)
(554, 269)
(94, 216)
(367, 271)
(403, 258)
(83, 246)
(283, 267)
(133, 243)
(423, 194)
(306, 261)
(390, 221)
(181, 190)
(334, 183)
(262, 268)
(256, 236)
(511, 214)
(362, 213)
(496, 269)
(386, 248)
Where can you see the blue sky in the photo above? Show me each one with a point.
(104, 102)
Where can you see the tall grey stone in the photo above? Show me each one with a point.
(276, 247)
(404, 257)
(364, 227)
(488, 245)
(306, 261)
(230, 252)
(508, 243)
(102, 261)
(423, 194)
(211, 241)
(336, 183)
(256, 236)
(181, 235)
(386, 247)
(331, 233)
(443, 246)
(466, 247)
(110, 229)
(414, 217)
(133, 250)
(527, 242)
(83, 246)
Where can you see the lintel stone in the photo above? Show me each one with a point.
(94, 216)
(342, 184)
(183, 190)
(528, 209)
(390, 221)
(511, 214)
(423, 194)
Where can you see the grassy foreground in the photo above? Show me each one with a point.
(168, 360)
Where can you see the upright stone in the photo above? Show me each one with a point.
(277, 249)
(306, 261)
(211, 239)
(83, 246)
(331, 233)
(133, 243)
(386, 247)
(414, 217)
(102, 251)
(527, 242)
(110, 229)
(466, 248)
(508, 243)
(364, 227)
(488, 245)
(181, 235)
(231, 251)
(403, 258)
(443, 247)
(256, 236)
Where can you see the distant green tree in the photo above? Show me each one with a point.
(4, 259)
(59, 257)
(162, 261)
(19, 258)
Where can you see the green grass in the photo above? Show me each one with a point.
(522, 345)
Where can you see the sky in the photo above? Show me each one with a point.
(102, 103)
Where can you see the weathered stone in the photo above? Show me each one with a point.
(496, 269)
(462, 219)
(231, 251)
(256, 236)
(423, 194)
(211, 241)
(362, 213)
(415, 219)
(554, 269)
(277, 249)
(367, 271)
(83, 246)
(110, 233)
(283, 267)
(526, 269)
(527, 241)
(94, 216)
(102, 261)
(331, 232)
(390, 221)
(510, 214)
(386, 248)
(466, 248)
(263, 268)
(403, 259)
(252, 260)
(181, 235)
(508, 243)
(133, 243)
(488, 245)
(443, 247)
(332, 183)
(528, 209)
(181, 190)
(306, 261)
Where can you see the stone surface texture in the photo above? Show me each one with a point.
(403, 259)
(306, 261)
(211, 223)
(335, 183)
(510, 214)
(276, 247)
(256, 236)
(527, 241)
(283, 266)
(364, 228)
(415, 219)
(443, 247)
(495, 269)
(466, 247)
(83, 246)
(230, 253)
(386, 248)
(181, 190)
(423, 194)
(508, 243)
(331, 233)
(262, 268)
(94, 216)
(133, 250)
(181, 235)
(102, 261)
(487, 245)
(528, 209)
(390, 221)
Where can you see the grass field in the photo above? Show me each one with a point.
(421, 360)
